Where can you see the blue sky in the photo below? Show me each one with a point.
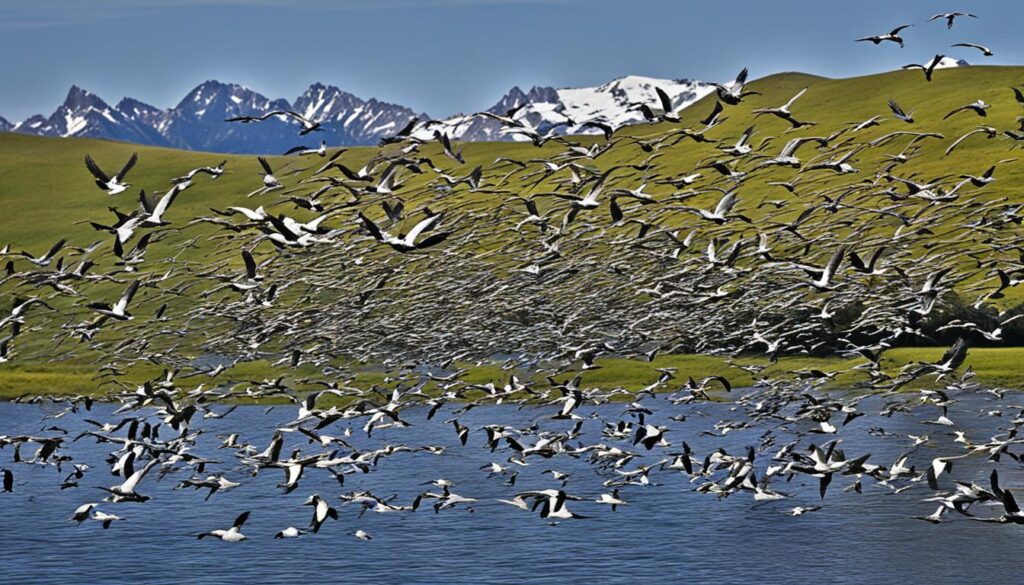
(445, 56)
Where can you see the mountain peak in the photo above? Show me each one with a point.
(79, 98)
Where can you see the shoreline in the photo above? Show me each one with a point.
(992, 367)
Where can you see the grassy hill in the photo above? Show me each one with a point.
(48, 194)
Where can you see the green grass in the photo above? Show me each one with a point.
(45, 189)
(994, 367)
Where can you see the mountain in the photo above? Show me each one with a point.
(546, 107)
(197, 122)
(350, 120)
(5, 126)
(947, 62)
(85, 114)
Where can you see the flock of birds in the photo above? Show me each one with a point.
(821, 246)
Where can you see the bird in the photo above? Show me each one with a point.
(984, 50)
(45, 259)
(233, 534)
(897, 111)
(119, 310)
(978, 107)
(891, 36)
(950, 17)
(307, 124)
(733, 92)
(321, 512)
(411, 240)
(112, 185)
(270, 182)
(82, 513)
(928, 68)
(215, 172)
(290, 532)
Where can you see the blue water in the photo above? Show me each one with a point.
(668, 533)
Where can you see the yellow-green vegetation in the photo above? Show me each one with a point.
(993, 367)
(48, 194)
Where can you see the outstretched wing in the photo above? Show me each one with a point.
(241, 519)
(250, 264)
(127, 167)
(421, 227)
(666, 102)
(371, 227)
(96, 170)
(265, 165)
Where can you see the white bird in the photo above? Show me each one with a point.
(408, 242)
(233, 534)
(291, 532)
(120, 309)
(105, 518)
(112, 185)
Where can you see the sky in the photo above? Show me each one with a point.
(448, 56)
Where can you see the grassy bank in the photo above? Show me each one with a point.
(999, 367)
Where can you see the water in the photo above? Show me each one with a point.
(667, 533)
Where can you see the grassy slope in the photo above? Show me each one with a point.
(45, 187)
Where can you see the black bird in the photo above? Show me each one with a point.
(950, 17)
(112, 185)
(892, 36)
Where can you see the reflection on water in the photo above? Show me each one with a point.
(666, 532)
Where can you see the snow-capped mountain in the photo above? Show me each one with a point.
(197, 122)
(947, 62)
(85, 114)
(348, 119)
(567, 108)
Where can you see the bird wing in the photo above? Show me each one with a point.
(421, 227)
(726, 203)
(95, 169)
(954, 111)
(432, 240)
(666, 101)
(129, 484)
(714, 114)
(741, 79)
(304, 120)
(896, 109)
(265, 165)
(281, 226)
(165, 202)
(956, 353)
(407, 129)
(127, 167)
(371, 227)
(241, 519)
(250, 264)
(834, 262)
(794, 98)
(54, 249)
(126, 298)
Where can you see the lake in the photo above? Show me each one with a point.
(667, 533)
